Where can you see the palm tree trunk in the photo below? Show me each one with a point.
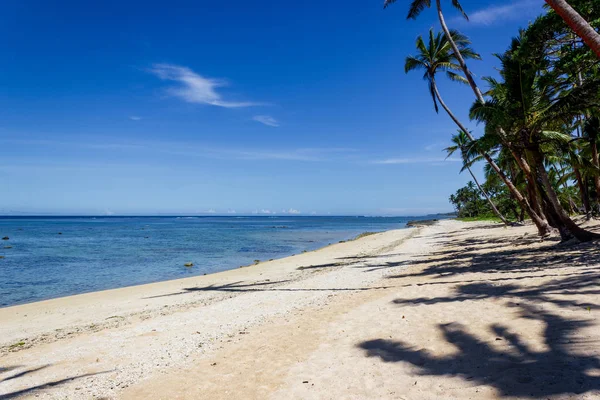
(594, 147)
(564, 219)
(583, 192)
(520, 211)
(459, 56)
(535, 196)
(577, 23)
(554, 219)
(496, 211)
(540, 223)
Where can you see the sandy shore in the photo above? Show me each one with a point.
(451, 311)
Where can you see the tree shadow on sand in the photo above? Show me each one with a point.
(22, 373)
(242, 287)
(502, 269)
(9, 368)
(32, 389)
(501, 255)
(584, 282)
(511, 366)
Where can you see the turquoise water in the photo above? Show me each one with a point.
(59, 256)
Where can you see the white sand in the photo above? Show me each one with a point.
(450, 311)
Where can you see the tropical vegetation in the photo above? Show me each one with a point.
(540, 115)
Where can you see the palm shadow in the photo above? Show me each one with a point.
(583, 282)
(22, 373)
(10, 368)
(499, 256)
(320, 266)
(502, 268)
(516, 369)
(32, 389)
(241, 287)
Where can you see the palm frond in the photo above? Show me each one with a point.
(386, 3)
(552, 136)
(457, 5)
(413, 63)
(416, 7)
(453, 76)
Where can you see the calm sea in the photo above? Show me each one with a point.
(48, 257)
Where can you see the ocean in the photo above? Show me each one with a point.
(49, 257)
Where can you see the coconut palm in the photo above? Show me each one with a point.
(577, 23)
(438, 56)
(528, 110)
(591, 131)
(416, 7)
(469, 155)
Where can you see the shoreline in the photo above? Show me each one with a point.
(106, 272)
(318, 248)
(119, 300)
(97, 344)
(465, 310)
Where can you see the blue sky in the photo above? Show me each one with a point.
(187, 107)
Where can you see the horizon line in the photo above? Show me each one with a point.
(220, 215)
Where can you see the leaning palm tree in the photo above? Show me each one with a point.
(577, 23)
(438, 56)
(469, 155)
(416, 6)
(535, 117)
(591, 131)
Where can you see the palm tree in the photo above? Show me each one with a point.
(577, 23)
(463, 144)
(526, 108)
(438, 56)
(415, 9)
(591, 131)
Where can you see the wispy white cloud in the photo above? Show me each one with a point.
(135, 118)
(416, 160)
(266, 120)
(185, 149)
(516, 10)
(195, 88)
(435, 146)
(259, 154)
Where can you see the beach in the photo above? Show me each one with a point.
(453, 310)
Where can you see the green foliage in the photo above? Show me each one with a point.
(541, 120)
(469, 202)
(541, 117)
(437, 56)
(417, 6)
